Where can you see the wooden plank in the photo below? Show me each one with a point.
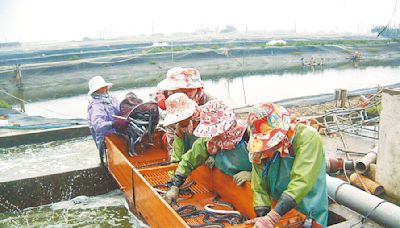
(121, 170)
(152, 207)
(240, 196)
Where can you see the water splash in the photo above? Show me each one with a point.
(106, 210)
(41, 159)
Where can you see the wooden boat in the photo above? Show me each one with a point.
(137, 175)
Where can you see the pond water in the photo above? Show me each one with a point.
(108, 210)
(240, 91)
(47, 158)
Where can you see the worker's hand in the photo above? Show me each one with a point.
(172, 194)
(241, 177)
(267, 221)
(120, 123)
(210, 162)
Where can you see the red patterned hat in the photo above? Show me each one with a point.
(269, 125)
(215, 118)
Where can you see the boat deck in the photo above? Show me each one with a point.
(143, 179)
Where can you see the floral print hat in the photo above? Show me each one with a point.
(270, 125)
(181, 78)
(217, 119)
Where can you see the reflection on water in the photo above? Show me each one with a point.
(46, 158)
(257, 89)
(107, 210)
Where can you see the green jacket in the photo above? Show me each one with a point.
(228, 161)
(181, 146)
(302, 176)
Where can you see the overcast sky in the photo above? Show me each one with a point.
(62, 20)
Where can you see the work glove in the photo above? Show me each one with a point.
(262, 210)
(120, 123)
(241, 177)
(267, 221)
(172, 194)
(210, 162)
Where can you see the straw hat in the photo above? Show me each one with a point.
(96, 83)
(181, 78)
(179, 107)
(269, 124)
(215, 119)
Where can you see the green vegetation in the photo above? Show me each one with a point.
(230, 45)
(263, 45)
(74, 57)
(182, 48)
(4, 104)
(152, 62)
(372, 50)
(278, 45)
(159, 49)
(215, 46)
(375, 109)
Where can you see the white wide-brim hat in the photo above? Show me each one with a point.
(179, 107)
(96, 83)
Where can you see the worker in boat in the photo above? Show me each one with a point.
(102, 106)
(183, 113)
(183, 80)
(220, 135)
(131, 101)
(288, 165)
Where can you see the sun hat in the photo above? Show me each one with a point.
(181, 78)
(229, 139)
(96, 83)
(215, 119)
(269, 125)
(179, 107)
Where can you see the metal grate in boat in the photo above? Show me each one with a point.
(144, 164)
(161, 177)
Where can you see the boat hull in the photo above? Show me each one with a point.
(139, 176)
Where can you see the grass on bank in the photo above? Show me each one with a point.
(4, 104)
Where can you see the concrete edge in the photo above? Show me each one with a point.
(41, 136)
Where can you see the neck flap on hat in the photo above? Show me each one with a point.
(282, 147)
(229, 139)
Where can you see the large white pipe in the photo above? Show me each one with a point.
(377, 209)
